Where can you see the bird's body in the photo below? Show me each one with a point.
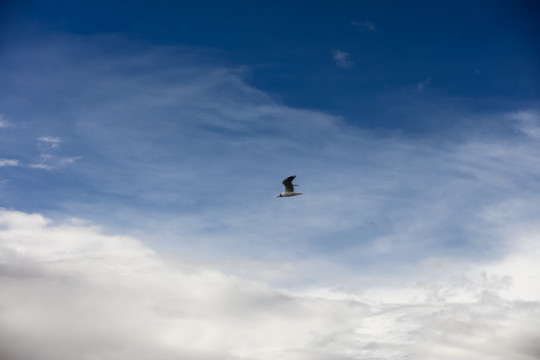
(289, 187)
(287, 194)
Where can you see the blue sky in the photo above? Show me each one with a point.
(142, 146)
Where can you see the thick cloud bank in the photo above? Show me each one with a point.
(70, 291)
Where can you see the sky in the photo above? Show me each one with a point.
(143, 144)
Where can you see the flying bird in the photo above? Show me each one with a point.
(289, 187)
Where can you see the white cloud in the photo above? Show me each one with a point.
(342, 59)
(9, 162)
(72, 292)
(50, 141)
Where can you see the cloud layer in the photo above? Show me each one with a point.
(69, 291)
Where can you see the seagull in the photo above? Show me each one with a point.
(289, 187)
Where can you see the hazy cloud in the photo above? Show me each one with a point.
(52, 162)
(422, 84)
(8, 162)
(3, 123)
(49, 161)
(366, 25)
(527, 122)
(342, 59)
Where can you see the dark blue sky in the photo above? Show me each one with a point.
(484, 54)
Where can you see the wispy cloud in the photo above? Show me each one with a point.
(422, 84)
(156, 157)
(52, 162)
(9, 162)
(50, 141)
(342, 59)
(527, 122)
(366, 25)
(48, 160)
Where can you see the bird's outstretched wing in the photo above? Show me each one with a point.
(289, 187)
